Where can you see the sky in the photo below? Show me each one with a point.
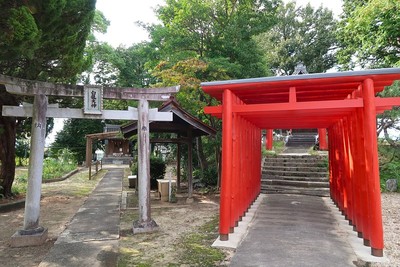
(122, 15)
(123, 30)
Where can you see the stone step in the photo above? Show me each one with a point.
(295, 173)
(323, 192)
(296, 183)
(295, 178)
(294, 168)
(294, 164)
(281, 159)
(307, 156)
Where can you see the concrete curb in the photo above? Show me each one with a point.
(66, 176)
(241, 230)
(362, 252)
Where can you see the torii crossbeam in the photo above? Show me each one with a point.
(32, 233)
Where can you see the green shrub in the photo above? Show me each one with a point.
(56, 168)
(210, 176)
(389, 164)
(157, 170)
(20, 184)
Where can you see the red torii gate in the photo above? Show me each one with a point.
(344, 103)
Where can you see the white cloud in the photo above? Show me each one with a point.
(123, 15)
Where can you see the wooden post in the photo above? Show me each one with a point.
(323, 145)
(88, 151)
(269, 139)
(226, 181)
(190, 167)
(178, 168)
(145, 223)
(372, 169)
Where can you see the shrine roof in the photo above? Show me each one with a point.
(301, 101)
(309, 87)
(181, 123)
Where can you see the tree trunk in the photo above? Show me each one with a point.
(7, 144)
(200, 155)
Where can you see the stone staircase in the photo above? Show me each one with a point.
(302, 138)
(295, 174)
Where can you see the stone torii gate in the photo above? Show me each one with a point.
(34, 234)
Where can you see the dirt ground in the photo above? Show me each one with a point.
(181, 224)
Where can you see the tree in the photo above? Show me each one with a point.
(216, 29)
(300, 35)
(189, 73)
(39, 40)
(369, 34)
(203, 41)
(73, 137)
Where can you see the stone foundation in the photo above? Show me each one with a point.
(22, 239)
(144, 227)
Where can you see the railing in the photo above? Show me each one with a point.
(96, 164)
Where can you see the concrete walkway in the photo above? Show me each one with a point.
(294, 230)
(91, 238)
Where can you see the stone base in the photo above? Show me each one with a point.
(20, 239)
(189, 200)
(144, 227)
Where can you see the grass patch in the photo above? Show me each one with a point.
(77, 185)
(197, 250)
(278, 148)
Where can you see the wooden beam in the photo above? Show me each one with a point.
(130, 114)
(180, 140)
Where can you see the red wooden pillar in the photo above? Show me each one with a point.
(235, 172)
(341, 166)
(353, 160)
(349, 170)
(331, 163)
(269, 139)
(226, 179)
(364, 207)
(354, 136)
(372, 168)
(323, 145)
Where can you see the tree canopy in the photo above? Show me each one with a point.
(214, 29)
(302, 34)
(369, 34)
(39, 40)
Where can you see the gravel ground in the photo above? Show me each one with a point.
(391, 224)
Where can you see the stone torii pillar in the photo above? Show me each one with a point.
(33, 234)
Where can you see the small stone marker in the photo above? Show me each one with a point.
(391, 185)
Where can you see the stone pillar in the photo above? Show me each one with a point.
(32, 234)
(145, 223)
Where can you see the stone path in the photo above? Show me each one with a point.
(91, 238)
(294, 230)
